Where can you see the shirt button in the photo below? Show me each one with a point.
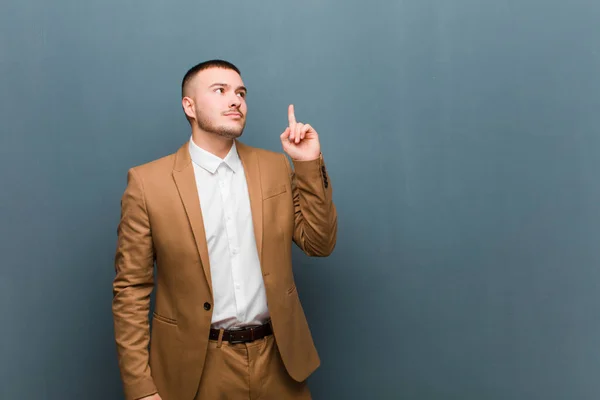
(207, 306)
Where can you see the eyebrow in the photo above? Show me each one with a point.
(242, 88)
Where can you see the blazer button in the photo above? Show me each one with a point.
(207, 306)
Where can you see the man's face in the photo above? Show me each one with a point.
(216, 102)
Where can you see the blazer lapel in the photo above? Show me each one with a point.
(183, 174)
(252, 171)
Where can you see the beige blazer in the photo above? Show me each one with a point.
(161, 222)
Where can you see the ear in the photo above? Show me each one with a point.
(189, 107)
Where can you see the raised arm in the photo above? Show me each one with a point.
(315, 215)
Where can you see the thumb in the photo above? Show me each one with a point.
(285, 135)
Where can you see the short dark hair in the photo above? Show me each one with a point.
(205, 65)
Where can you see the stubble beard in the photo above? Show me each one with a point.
(227, 132)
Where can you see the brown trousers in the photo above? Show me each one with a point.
(248, 371)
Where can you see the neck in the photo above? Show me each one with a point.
(215, 144)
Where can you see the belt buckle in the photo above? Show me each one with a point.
(249, 339)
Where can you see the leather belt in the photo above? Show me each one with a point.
(242, 335)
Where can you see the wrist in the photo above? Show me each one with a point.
(307, 158)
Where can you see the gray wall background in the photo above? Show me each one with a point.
(462, 139)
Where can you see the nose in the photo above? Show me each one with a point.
(235, 102)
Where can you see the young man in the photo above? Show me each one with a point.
(218, 217)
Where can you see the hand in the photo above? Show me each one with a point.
(300, 141)
(153, 397)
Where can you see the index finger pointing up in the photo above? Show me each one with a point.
(291, 116)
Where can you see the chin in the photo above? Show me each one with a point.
(230, 133)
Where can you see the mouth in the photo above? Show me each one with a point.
(234, 114)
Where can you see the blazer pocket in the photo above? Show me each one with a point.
(164, 319)
(273, 191)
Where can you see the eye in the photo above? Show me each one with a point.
(242, 94)
(219, 90)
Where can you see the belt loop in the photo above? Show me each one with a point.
(220, 340)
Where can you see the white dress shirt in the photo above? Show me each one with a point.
(238, 287)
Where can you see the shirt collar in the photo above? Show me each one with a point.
(210, 162)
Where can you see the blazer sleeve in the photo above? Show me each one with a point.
(132, 286)
(315, 215)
